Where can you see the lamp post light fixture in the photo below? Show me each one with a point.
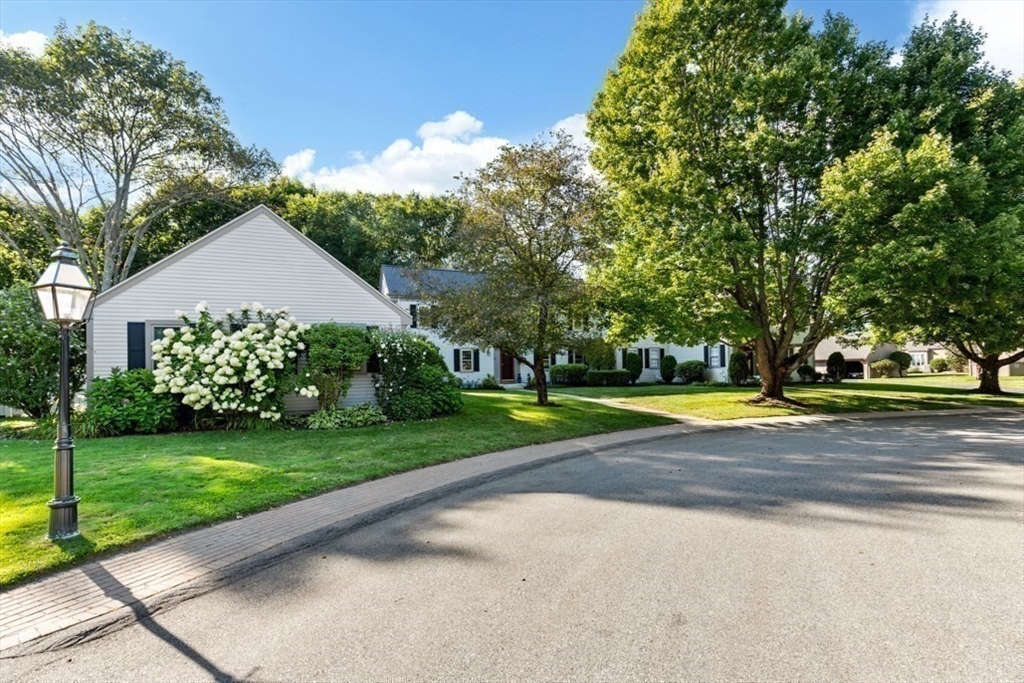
(66, 297)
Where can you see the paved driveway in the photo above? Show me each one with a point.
(858, 551)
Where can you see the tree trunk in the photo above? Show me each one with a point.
(990, 375)
(539, 377)
(773, 371)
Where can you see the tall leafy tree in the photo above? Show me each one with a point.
(941, 189)
(715, 127)
(100, 121)
(535, 217)
(30, 354)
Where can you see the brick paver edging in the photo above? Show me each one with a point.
(94, 599)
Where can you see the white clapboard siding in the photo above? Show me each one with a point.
(257, 257)
(361, 391)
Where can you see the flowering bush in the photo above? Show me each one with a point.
(248, 369)
(412, 381)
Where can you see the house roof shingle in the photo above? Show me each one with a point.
(404, 283)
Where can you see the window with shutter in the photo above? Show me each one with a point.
(136, 345)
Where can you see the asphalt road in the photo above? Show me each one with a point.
(851, 551)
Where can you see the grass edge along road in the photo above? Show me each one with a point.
(137, 488)
(730, 403)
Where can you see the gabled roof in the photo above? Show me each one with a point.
(404, 283)
(228, 227)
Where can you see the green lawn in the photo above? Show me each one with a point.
(136, 488)
(729, 403)
(952, 380)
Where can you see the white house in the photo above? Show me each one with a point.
(468, 363)
(255, 257)
(399, 284)
(714, 356)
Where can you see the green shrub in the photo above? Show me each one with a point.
(691, 371)
(902, 359)
(30, 354)
(914, 371)
(412, 381)
(739, 369)
(806, 372)
(957, 363)
(668, 369)
(635, 366)
(569, 374)
(939, 364)
(334, 354)
(608, 378)
(531, 383)
(362, 415)
(124, 403)
(835, 367)
(885, 368)
(488, 383)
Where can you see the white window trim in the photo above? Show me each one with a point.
(714, 356)
(151, 326)
(654, 354)
(466, 355)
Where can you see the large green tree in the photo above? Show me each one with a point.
(715, 127)
(101, 121)
(30, 354)
(941, 190)
(535, 217)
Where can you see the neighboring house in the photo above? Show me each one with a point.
(1015, 369)
(921, 355)
(470, 364)
(858, 358)
(715, 358)
(257, 257)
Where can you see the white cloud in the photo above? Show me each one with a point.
(575, 126)
(33, 41)
(447, 148)
(1002, 20)
(297, 163)
(455, 126)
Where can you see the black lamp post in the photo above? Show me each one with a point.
(66, 297)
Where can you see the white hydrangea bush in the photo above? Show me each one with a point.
(238, 363)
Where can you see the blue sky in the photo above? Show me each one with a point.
(403, 95)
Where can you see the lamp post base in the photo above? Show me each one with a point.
(63, 518)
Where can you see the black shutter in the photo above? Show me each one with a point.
(373, 364)
(136, 345)
(661, 356)
(457, 367)
(624, 353)
(476, 360)
(414, 313)
(707, 356)
(647, 358)
(721, 357)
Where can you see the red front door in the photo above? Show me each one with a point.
(508, 368)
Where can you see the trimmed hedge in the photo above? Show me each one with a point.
(668, 369)
(691, 371)
(608, 378)
(939, 364)
(634, 366)
(569, 374)
(885, 368)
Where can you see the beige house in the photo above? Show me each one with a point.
(858, 358)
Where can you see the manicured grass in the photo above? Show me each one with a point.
(729, 403)
(136, 488)
(953, 380)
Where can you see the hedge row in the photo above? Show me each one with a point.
(608, 378)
